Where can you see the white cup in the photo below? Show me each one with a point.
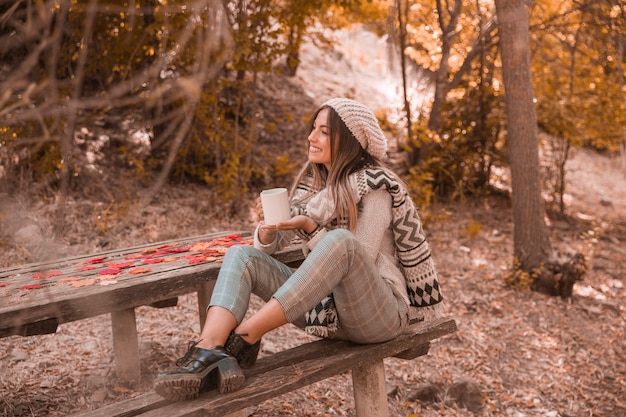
(275, 205)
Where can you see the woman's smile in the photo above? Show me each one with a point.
(319, 140)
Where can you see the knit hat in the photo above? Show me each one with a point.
(362, 123)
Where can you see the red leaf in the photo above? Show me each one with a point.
(110, 271)
(30, 287)
(196, 260)
(3, 284)
(94, 261)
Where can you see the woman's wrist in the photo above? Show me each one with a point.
(313, 232)
(267, 234)
(312, 229)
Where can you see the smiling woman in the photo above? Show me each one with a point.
(367, 268)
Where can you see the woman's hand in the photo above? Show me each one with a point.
(301, 222)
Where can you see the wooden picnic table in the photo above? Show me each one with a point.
(36, 298)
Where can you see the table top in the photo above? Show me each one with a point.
(89, 285)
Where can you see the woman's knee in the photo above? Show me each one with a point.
(239, 252)
(340, 236)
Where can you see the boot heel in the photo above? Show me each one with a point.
(230, 376)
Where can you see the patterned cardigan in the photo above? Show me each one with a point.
(412, 249)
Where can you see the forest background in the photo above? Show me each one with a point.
(109, 110)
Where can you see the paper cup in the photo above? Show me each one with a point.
(275, 205)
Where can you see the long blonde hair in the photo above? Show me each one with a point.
(346, 157)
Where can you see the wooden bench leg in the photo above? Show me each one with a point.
(126, 345)
(204, 297)
(370, 390)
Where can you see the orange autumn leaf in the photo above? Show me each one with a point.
(47, 274)
(199, 246)
(140, 270)
(152, 261)
(107, 277)
(68, 279)
(119, 265)
(86, 268)
(135, 256)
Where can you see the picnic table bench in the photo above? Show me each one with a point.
(37, 298)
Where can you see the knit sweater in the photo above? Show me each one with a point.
(380, 231)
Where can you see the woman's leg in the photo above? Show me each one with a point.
(245, 271)
(208, 364)
(368, 310)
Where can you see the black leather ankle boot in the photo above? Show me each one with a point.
(200, 370)
(245, 352)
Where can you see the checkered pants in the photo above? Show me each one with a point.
(368, 311)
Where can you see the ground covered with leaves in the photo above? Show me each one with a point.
(517, 353)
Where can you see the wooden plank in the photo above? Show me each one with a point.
(414, 352)
(170, 302)
(370, 390)
(126, 345)
(288, 378)
(281, 373)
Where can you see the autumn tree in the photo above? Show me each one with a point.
(534, 262)
(531, 240)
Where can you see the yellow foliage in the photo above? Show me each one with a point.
(282, 166)
(517, 278)
(114, 211)
(472, 229)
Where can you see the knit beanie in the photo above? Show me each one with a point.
(361, 121)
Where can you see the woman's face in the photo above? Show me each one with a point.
(319, 140)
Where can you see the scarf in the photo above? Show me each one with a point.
(412, 249)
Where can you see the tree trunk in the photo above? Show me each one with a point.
(532, 246)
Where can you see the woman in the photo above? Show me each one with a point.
(368, 265)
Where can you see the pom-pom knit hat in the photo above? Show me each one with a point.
(361, 121)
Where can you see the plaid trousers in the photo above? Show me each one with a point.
(367, 309)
